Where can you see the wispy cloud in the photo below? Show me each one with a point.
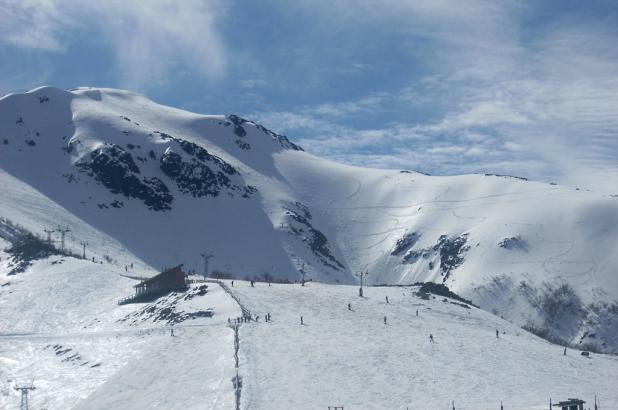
(33, 24)
(540, 101)
(151, 41)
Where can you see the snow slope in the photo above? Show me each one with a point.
(66, 334)
(158, 186)
(351, 358)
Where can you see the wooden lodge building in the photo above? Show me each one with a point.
(571, 404)
(173, 279)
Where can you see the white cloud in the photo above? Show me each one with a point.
(253, 82)
(538, 100)
(151, 40)
(33, 24)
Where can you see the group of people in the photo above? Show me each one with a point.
(246, 318)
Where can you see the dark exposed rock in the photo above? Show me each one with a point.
(282, 139)
(200, 173)
(243, 145)
(193, 177)
(203, 155)
(405, 243)
(317, 241)
(240, 131)
(506, 176)
(513, 243)
(238, 122)
(442, 290)
(114, 167)
(166, 309)
(450, 252)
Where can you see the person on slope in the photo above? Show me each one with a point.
(431, 338)
(384, 319)
(497, 334)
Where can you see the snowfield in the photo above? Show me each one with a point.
(81, 354)
(127, 175)
(144, 187)
(350, 358)
(337, 357)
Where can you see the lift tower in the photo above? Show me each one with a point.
(24, 395)
(206, 258)
(63, 233)
(49, 232)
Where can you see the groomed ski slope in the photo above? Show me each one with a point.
(338, 357)
(350, 358)
(67, 335)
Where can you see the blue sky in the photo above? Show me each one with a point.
(443, 87)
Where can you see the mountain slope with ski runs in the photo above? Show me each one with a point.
(144, 186)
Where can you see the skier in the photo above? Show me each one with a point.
(252, 284)
(229, 322)
(349, 306)
(171, 331)
(431, 338)
(387, 302)
(416, 312)
(384, 319)
(497, 334)
(565, 351)
(301, 321)
(257, 318)
(125, 268)
(131, 265)
(232, 283)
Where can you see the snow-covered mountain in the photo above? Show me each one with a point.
(157, 186)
